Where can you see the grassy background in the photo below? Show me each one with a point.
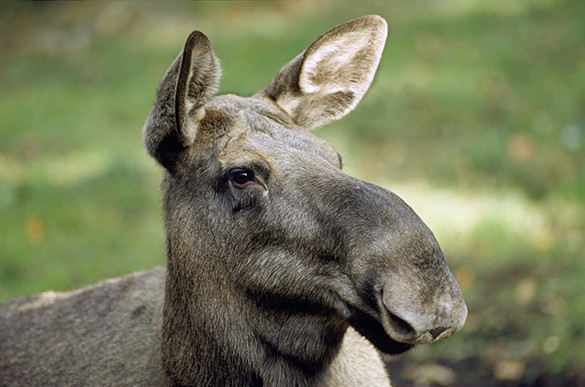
(476, 118)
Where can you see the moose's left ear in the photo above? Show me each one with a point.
(328, 79)
(187, 86)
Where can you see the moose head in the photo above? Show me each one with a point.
(273, 250)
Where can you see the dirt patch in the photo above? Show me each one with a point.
(477, 373)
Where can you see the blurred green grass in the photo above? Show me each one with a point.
(476, 118)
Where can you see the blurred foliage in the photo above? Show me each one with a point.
(476, 118)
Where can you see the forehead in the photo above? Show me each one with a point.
(260, 131)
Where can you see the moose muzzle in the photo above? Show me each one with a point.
(406, 287)
(422, 314)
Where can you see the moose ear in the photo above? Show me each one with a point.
(328, 79)
(187, 86)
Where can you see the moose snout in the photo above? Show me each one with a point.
(422, 315)
(401, 273)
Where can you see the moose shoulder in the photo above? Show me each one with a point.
(282, 270)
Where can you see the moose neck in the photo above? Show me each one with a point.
(218, 331)
(221, 338)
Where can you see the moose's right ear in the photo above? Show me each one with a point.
(328, 79)
(187, 86)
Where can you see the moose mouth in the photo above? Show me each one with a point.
(374, 331)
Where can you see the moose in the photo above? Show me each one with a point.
(282, 270)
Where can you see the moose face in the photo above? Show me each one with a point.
(259, 208)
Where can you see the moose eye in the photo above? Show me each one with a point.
(241, 177)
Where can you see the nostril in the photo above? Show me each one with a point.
(436, 332)
(402, 329)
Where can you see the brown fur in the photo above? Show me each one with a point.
(276, 258)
